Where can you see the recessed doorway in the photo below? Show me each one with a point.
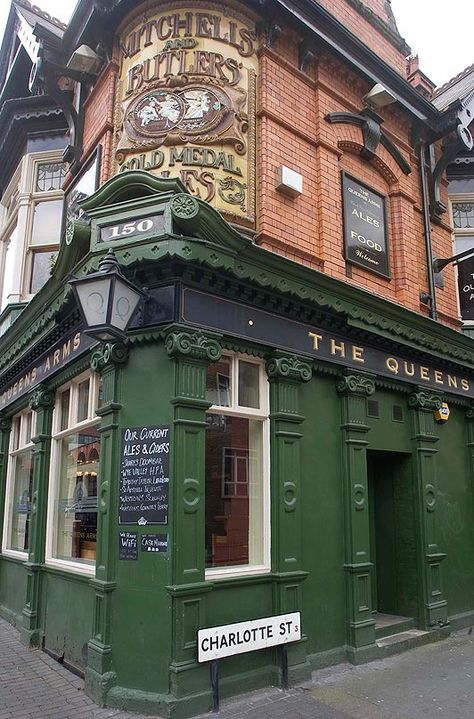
(393, 549)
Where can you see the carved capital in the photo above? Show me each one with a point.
(108, 354)
(289, 367)
(196, 345)
(41, 398)
(356, 384)
(5, 423)
(424, 400)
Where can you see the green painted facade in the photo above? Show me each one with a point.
(371, 499)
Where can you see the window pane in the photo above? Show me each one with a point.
(27, 426)
(64, 409)
(463, 215)
(234, 491)
(83, 401)
(75, 506)
(20, 501)
(464, 243)
(49, 176)
(41, 270)
(218, 383)
(248, 384)
(16, 433)
(47, 223)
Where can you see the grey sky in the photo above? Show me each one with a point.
(440, 33)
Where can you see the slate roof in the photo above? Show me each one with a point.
(458, 88)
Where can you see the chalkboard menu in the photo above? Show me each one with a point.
(466, 288)
(154, 542)
(128, 545)
(144, 475)
(365, 227)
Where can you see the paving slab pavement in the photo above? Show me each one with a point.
(435, 680)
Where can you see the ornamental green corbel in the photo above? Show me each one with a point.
(41, 398)
(425, 400)
(110, 353)
(289, 367)
(193, 345)
(356, 384)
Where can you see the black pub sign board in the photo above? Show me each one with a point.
(144, 475)
(365, 227)
(466, 288)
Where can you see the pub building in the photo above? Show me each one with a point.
(233, 389)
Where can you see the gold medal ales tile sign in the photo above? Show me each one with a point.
(186, 102)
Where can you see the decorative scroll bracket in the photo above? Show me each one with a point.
(373, 135)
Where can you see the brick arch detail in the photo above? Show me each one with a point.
(378, 163)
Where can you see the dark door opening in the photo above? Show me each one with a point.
(392, 533)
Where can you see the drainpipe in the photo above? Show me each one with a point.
(427, 232)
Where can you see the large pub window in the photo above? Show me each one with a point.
(16, 533)
(74, 476)
(237, 472)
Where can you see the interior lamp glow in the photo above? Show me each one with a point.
(107, 300)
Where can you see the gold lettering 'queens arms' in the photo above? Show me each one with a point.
(186, 101)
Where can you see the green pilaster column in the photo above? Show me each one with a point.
(191, 352)
(42, 402)
(108, 360)
(432, 604)
(286, 374)
(354, 390)
(5, 427)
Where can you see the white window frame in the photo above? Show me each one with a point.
(10, 218)
(33, 161)
(76, 566)
(261, 413)
(460, 232)
(10, 481)
(23, 183)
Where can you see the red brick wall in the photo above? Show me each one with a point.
(99, 119)
(358, 24)
(292, 131)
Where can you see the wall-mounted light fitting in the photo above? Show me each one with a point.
(85, 60)
(379, 96)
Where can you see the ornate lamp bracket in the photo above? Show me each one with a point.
(373, 135)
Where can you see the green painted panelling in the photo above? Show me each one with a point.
(323, 516)
(385, 434)
(238, 603)
(68, 612)
(141, 635)
(141, 606)
(455, 512)
(225, 605)
(147, 386)
(12, 586)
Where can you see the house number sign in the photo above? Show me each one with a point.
(155, 224)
